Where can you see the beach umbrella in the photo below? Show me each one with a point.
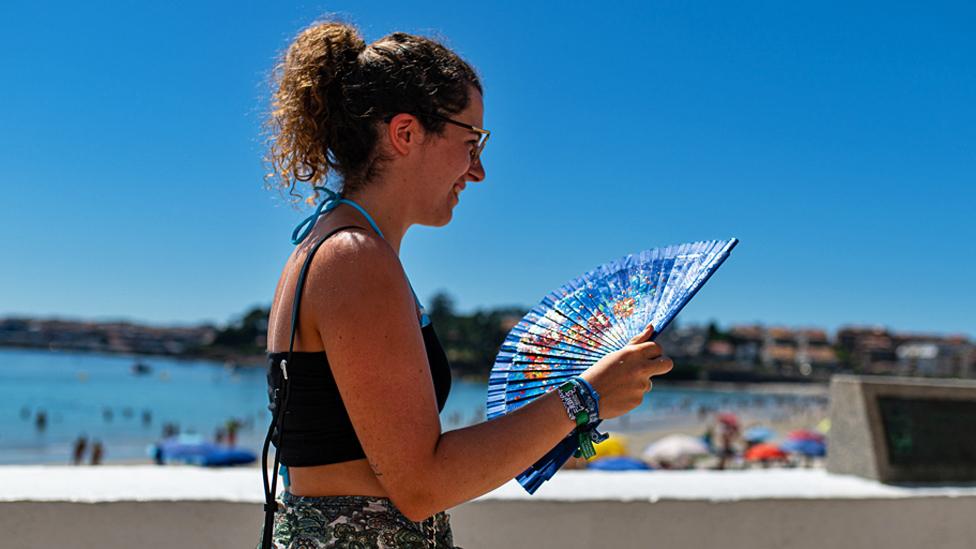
(764, 452)
(225, 456)
(675, 450)
(729, 419)
(805, 434)
(588, 318)
(183, 446)
(192, 449)
(806, 447)
(614, 446)
(618, 463)
(758, 434)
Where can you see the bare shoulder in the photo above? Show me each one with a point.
(355, 244)
(354, 269)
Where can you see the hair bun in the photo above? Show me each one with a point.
(345, 39)
(323, 53)
(332, 89)
(335, 46)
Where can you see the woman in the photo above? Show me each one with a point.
(398, 124)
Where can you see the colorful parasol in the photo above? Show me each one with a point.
(804, 446)
(758, 434)
(806, 434)
(675, 451)
(588, 318)
(765, 452)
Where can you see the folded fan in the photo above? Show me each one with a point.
(588, 318)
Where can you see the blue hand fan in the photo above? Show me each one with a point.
(588, 318)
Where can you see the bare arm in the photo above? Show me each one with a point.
(367, 321)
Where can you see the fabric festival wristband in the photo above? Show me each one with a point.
(593, 393)
(582, 407)
(596, 437)
(589, 397)
(573, 402)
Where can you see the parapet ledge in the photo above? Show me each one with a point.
(243, 485)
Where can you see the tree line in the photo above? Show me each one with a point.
(470, 341)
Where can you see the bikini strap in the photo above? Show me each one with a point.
(301, 284)
(281, 402)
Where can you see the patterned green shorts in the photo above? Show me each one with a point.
(354, 522)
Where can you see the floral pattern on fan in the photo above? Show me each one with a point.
(590, 317)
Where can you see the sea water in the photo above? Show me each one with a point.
(100, 397)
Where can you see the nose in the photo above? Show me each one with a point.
(476, 171)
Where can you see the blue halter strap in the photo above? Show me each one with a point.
(332, 200)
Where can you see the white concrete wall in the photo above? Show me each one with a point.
(795, 524)
(801, 509)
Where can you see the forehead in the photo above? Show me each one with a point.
(474, 113)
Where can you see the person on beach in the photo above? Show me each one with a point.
(40, 420)
(78, 450)
(97, 453)
(356, 374)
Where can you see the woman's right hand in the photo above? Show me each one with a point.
(623, 377)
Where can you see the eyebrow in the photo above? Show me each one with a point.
(469, 124)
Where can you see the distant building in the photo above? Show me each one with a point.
(682, 341)
(969, 363)
(102, 336)
(929, 355)
(747, 342)
(781, 351)
(876, 350)
(815, 354)
(778, 353)
(721, 350)
(868, 350)
(919, 359)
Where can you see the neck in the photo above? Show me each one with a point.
(389, 213)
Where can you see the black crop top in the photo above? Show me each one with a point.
(317, 429)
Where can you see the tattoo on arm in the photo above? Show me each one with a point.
(376, 469)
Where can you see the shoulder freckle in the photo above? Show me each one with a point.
(353, 244)
(354, 262)
(340, 252)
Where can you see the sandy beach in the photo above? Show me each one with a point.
(787, 407)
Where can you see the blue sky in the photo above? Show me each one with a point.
(837, 141)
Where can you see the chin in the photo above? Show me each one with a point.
(445, 220)
(440, 220)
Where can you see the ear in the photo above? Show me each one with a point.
(405, 133)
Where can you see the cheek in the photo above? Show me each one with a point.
(450, 162)
(463, 157)
(451, 172)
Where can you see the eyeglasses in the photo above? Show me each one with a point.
(484, 134)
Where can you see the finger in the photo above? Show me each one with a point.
(648, 350)
(660, 365)
(643, 336)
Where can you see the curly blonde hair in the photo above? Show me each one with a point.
(330, 91)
